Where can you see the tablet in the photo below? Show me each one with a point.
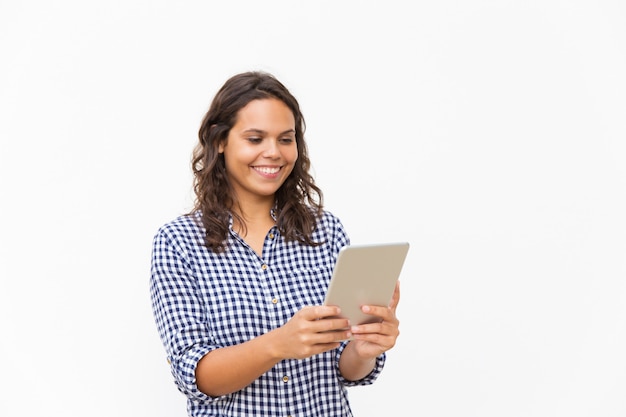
(365, 274)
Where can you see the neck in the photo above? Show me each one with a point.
(255, 212)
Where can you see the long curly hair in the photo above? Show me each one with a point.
(299, 202)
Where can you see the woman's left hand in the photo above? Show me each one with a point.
(372, 339)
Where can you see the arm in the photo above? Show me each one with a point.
(232, 368)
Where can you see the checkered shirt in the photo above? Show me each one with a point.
(203, 301)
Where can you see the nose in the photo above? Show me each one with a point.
(271, 149)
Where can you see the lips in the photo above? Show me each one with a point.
(267, 170)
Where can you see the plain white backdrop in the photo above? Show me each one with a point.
(490, 134)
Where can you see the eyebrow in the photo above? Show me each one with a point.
(262, 132)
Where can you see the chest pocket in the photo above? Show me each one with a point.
(308, 286)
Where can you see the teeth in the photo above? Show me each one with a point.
(267, 170)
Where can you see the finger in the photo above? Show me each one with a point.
(395, 298)
(333, 336)
(373, 331)
(319, 312)
(331, 325)
(376, 311)
(379, 342)
(385, 313)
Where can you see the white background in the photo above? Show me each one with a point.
(489, 134)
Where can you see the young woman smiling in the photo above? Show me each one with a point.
(237, 285)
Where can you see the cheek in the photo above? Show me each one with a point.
(239, 157)
(292, 155)
(292, 161)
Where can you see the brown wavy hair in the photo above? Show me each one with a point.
(299, 202)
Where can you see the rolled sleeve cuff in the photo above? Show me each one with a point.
(367, 380)
(183, 369)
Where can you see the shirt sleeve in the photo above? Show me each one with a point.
(179, 312)
(369, 378)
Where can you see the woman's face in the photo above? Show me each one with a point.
(260, 150)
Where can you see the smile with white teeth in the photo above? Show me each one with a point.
(267, 170)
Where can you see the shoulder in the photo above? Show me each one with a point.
(187, 227)
(332, 228)
(329, 218)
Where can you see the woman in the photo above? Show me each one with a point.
(237, 285)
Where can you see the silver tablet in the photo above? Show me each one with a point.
(365, 274)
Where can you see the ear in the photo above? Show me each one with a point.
(222, 143)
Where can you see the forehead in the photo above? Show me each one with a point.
(264, 114)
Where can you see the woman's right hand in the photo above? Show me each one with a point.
(312, 330)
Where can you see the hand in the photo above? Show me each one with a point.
(370, 340)
(310, 331)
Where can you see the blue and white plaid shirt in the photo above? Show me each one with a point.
(203, 301)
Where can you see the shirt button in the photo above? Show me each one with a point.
(274, 300)
(271, 235)
(264, 267)
(285, 378)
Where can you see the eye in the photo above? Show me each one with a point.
(255, 139)
(287, 140)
